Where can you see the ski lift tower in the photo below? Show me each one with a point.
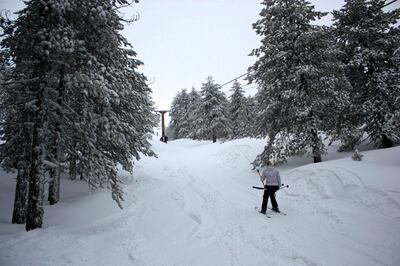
(162, 112)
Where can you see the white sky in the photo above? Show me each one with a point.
(182, 42)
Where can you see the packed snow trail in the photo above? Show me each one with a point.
(194, 205)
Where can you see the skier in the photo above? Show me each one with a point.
(272, 183)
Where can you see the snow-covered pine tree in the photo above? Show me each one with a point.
(251, 116)
(174, 116)
(39, 69)
(194, 100)
(12, 131)
(239, 112)
(52, 49)
(114, 125)
(110, 107)
(180, 115)
(211, 116)
(14, 153)
(369, 38)
(184, 130)
(301, 83)
(77, 90)
(43, 59)
(30, 40)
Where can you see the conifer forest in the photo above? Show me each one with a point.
(75, 105)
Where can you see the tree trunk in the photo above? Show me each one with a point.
(386, 142)
(34, 213)
(316, 149)
(20, 200)
(54, 186)
(72, 169)
(82, 172)
(317, 158)
(214, 138)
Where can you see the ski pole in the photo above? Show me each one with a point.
(258, 172)
(282, 186)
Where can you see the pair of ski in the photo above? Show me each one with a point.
(268, 216)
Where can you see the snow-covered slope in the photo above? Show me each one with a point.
(194, 205)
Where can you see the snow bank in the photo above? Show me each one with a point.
(194, 205)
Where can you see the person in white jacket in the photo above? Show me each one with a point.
(272, 181)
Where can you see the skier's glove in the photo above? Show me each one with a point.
(258, 171)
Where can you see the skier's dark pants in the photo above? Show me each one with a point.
(269, 192)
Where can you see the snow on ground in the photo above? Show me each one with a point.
(194, 205)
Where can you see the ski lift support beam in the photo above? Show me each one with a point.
(162, 112)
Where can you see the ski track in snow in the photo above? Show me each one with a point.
(192, 206)
(341, 184)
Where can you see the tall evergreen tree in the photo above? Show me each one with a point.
(180, 115)
(79, 96)
(114, 125)
(250, 110)
(18, 156)
(211, 116)
(33, 81)
(301, 83)
(194, 101)
(369, 37)
(239, 111)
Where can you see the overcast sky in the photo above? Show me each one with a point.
(182, 42)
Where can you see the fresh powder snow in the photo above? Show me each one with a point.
(194, 205)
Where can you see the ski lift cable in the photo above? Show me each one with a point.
(226, 83)
(385, 5)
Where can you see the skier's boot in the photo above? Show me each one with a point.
(275, 209)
